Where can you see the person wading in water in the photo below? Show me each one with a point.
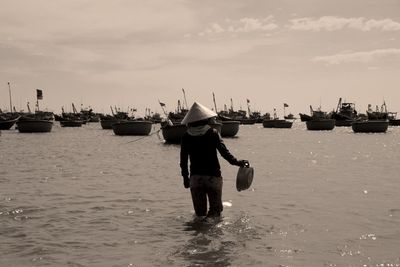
(200, 144)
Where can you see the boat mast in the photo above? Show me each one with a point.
(184, 97)
(37, 101)
(338, 105)
(29, 109)
(9, 92)
(179, 108)
(162, 107)
(284, 109)
(215, 104)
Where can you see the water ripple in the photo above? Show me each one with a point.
(87, 198)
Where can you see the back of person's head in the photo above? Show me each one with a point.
(198, 123)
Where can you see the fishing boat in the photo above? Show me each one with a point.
(251, 117)
(154, 117)
(256, 116)
(319, 121)
(377, 121)
(377, 114)
(370, 126)
(289, 116)
(237, 115)
(132, 127)
(172, 133)
(71, 119)
(229, 127)
(175, 117)
(275, 122)
(393, 121)
(87, 115)
(34, 124)
(179, 113)
(107, 121)
(304, 117)
(345, 113)
(37, 122)
(7, 120)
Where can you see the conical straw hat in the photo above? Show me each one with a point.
(198, 112)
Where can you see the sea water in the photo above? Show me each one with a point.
(85, 197)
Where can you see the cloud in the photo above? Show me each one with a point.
(331, 23)
(360, 57)
(76, 19)
(243, 25)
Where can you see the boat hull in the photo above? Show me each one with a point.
(277, 124)
(344, 123)
(229, 128)
(395, 122)
(173, 133)
(248, 121)
(34, 126)
(132, 128)
(6, 125)
(107, 124)
(370, 126)
(70, 123)
(305, 117)
(320, 125)
(94, 119)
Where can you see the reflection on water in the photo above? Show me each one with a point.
(215, 241)
(205, 246)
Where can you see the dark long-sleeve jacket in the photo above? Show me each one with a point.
(202, 152)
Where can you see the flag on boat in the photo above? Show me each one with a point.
(285, 105)
(39, 94)
(248, 101)
(161, 104)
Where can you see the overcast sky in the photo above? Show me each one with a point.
(130, 53)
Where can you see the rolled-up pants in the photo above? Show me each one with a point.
(203, 187)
